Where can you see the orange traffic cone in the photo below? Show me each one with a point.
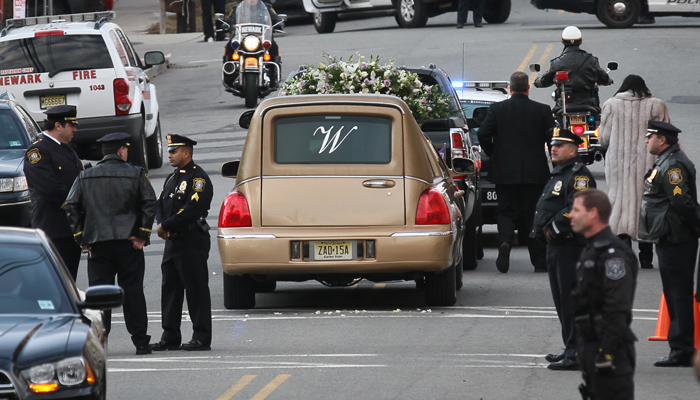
(663, 321)
(696, 308)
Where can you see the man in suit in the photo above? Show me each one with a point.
(51, 166)
(514, 135)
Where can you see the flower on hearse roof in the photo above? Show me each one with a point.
(369, 76)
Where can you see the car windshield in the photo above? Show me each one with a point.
(29, 283)
(333, 139)
(53, 53)
(252, 12)
(470, 105)
(12, 132)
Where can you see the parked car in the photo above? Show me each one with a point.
(337, 188)
(51, 345)
(17, 131)
(87, 61)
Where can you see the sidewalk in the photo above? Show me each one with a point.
(136, 16)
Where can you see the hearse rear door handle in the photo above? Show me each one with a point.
(379, 183)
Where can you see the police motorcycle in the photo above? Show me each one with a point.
(251, 65)
(583, 120)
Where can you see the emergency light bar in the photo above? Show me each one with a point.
(501, 86)
(47, 19)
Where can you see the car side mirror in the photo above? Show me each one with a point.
(282, 17)
(152, 58)
(479, 115)
(245, 118)
(219, 16)
(102, 297)
(463, 166)
(612, 65)
(534, 67)
(230, 169)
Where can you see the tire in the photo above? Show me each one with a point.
(625, 16)
(459, 275)
(155, 148)
(324, 22)
(480, 243)
(239, 292)
(497, 11)
(469, 248)
(138, 152)
(266, 286)
(250, 89)
(411, 13)
(441, 288)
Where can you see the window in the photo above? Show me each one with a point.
(120, 48)
(55, 53)
(336, 139)
(12, 135)
(127, 47)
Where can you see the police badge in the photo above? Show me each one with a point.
(615, 268)
(183, 187)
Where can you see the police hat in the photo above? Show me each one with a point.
(563, 136)
(661, 128)
(115, 139)
(64, 113)
(175, 141)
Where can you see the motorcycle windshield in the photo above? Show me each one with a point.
(252, 12)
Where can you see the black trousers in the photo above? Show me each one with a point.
(70, 253)
(207, 25)
(677, 268)
(561, 265)
(119, 258)
(463, 11)
(616, 384)
(185, 272)
(516, 210)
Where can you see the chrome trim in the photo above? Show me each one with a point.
(324, 102)
(409, 234)
(332, 176)
(248, 236)
(19, 203)
(245, 181)
(418, 179)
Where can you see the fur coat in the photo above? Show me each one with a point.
(623, 130)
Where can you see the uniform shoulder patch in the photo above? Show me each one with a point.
(198, 184)
(581, 182)
(615, 268)
(675, 176)
(33, 156)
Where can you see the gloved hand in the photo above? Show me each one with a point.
(604, 361)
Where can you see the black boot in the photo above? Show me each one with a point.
(646, 255)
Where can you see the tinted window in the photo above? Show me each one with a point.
(28, 282)
(324, 139)
(12, 132)
(52, 53)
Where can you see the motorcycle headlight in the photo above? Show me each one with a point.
(251, 43)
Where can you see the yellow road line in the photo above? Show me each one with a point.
(379, 285)
(529, 55)
(236, 387)
(270, 387)
(542, 61)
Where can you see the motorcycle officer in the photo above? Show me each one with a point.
(584, 72)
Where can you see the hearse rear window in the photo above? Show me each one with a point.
(333, 139)
(54, 54)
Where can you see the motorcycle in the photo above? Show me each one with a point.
(251, 65)
(583, 120)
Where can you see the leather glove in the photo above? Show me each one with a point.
(604, 361)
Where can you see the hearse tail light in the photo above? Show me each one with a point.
(457, 145)
(432, 209)
(122, 102)
(235, 212)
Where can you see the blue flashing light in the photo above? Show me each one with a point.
(591, 118)
(457, 84)
(235, 44)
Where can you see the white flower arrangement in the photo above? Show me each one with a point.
(338, 77)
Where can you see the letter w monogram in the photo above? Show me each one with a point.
(334, 143)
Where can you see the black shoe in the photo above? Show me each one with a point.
(554, 357)
(540, 269)
(195, 345)
(674, 362)
(503, 260)
(478, 25)
(646, 265)
(566, 364)
(163, 345)
(460, 26)
(143, 350)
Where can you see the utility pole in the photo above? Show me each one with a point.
(162, 17)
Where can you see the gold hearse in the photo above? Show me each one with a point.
(337, 188)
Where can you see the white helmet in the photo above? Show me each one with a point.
(571, 35)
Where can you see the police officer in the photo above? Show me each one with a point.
(552, 225)
(463, 12)
(51, 166)
(182, 210)
(668, 218)
(111, 208)
(606, 277)
(584, 72)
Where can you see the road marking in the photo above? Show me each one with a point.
(270, 387)
(228, 367)
(236, 387)
(529, 55)
(203, 61)
(542, 61)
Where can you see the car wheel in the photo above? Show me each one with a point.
(411, 13)
(324, 22)
(250, 89)
(618, 13)
(266, 286)
(497, 11)
(469, 249)
(459, 275)
(441, 288)
(138, 152)
(480, 243)
(239, 292)
(155, 148)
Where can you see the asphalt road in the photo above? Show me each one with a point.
(379, 341)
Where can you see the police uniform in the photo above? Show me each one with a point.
(182, 210)
(564, 249)
(668, 217)
(606, 277)
(50, 168)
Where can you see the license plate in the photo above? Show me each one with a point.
(52, 101)
(490, 195)
(334, 250)
(251, 62)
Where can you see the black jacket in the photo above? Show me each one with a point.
(670, 200)
(112, 200)
(514, 134)
(185, 200)
(50, 169)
